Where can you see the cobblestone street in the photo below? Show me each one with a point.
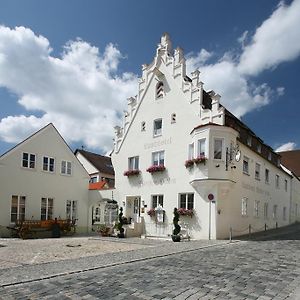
(266, 269)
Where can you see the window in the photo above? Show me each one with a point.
(201, 147)
(218, 145)
(71, 209)
(269, 156)
(266, 210)
(66, 167)
(93, 179)
(159, 90)
(48, 164)
(277, 181)
(257, 171)
(267, 177)
(249, 140)
(246, 165)
(173, 118)
(157, 200)
(158, 158)
(244, 206)
(46, 208)
(256, 208)
(157, 127)
(259, 148)
(274, 211)
(186, 201)
(17, 211)
(191, 151)
(143, 126)
(28, 160)
(285, 185)
(284, 213)
(133, 163)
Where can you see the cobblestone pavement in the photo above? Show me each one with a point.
(267, 269)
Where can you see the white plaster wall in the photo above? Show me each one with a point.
(35, 184)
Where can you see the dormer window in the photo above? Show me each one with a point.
(259, 148)
(159, 90)
(269, 156)
(249, 140)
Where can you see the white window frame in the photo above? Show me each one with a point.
(214, 148)
(66, 167)
(157, 200)
(133, 163)
(160, 157)
(30, 163)
(48, 164)
(275, 207)
(285, 185)
(188, 196)
(157, 131)
(257, 171)
(48, 206)
(267, 176)
(249, 140)
(71, 209)
(244, 209)
(277, 181)
(20, 214)
(259, 148)
(202, 143)
(191, 151)
(246, 160)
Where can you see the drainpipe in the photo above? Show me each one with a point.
(290, 210)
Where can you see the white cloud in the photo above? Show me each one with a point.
(286, 147)
(275, 41)
(79, 92)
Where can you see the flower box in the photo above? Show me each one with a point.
(154, 169)
(189, 163)
(151, 212)
(200, 159)
(185, 212)
(131, 173)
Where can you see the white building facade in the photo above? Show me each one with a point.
(178, 147)
(41, 179)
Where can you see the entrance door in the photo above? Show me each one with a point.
(136, 209)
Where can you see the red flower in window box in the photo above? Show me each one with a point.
(185, 212)
(131, 173)
(200, 159)
(153, 169)
(189, 163)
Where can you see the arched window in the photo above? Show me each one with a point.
(159, 90)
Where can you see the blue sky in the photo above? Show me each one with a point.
(74, 63)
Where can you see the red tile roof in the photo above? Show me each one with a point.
(291, 160)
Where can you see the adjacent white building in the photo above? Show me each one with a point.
(41, 179)
(179, 147)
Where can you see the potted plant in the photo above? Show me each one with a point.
(153, 169)
(189, 163)
(186, 212)
(120, 224)
(151, 212)
(200, 159)
(129, 173)
(177, 228)
(103, 230)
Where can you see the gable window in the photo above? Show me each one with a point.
(277, 181)
(267, 176)
(257, 171)
(157, 200)
(246, 165)
(159, 90)
(158, 158)
(244, 206)
(218, 146)
(46, 208)
(186, 201)
(71, 209)
(173, 118)
(256, 208)
(48, 164)
(28, 160)
(201, 147)
(266, 210)
(157, 127)
(143, 126)
(17, 210)
(66, 167)
(133, 163)
(191, 151)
